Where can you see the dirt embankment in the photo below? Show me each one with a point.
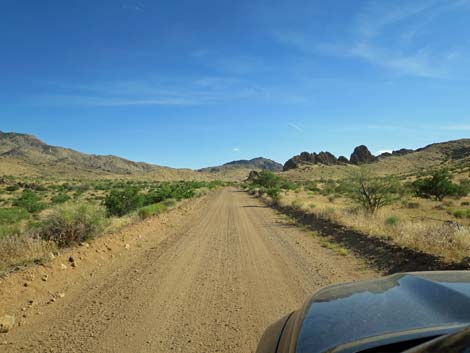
(207, 277)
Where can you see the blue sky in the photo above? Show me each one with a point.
(197, 83)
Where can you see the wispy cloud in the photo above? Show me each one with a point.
(295, 127)
(236, 149)
(387, 35)
(192, 91)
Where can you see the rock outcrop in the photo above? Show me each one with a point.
(343, 160)
(325, 158)
(362, 155)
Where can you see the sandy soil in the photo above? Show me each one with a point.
(207, 277)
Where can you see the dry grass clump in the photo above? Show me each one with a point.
(73, 223)
(22, 249)
(444, 239)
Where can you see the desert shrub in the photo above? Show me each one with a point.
(288, 185)
(151, 210)
(268, 180)
(72, 223)
(12, 215)
(458, 213)
(29, 201)
(448, 203)
(312, 206)
(60, 198)
(438, 186)
(12, 188)
(391, 221)
(332, 198)
(297, 204)
(122, 201)
(465, 203)
(465, 186)
(274, 193)
(371, 192)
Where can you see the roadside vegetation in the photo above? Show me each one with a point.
(38, 217)
(429, 212)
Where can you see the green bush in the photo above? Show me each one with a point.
(12, 215)
(151, 210)
(392, 221)
(268, 180)
(122, 201)
(459, 213)
(465, 203)
(72, 223)
(438, 186)
(60, 198)
(29, 201)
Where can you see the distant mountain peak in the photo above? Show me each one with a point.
(259, 163)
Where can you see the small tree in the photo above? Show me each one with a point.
(371, 192)
(438, 186)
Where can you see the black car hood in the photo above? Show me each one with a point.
(412, 303)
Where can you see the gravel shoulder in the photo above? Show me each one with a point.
(207, 277)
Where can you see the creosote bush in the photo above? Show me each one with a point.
(73, 223)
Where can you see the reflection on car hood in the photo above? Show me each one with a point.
(403, 302)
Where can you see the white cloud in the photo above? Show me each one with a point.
(383, 151)
(236, 149)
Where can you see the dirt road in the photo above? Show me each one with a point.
(211, 283)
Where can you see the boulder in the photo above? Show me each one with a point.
(326, 158)
(6, 323)
(362, 155)
(343, 160)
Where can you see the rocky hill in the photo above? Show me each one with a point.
(22, 154)
(452, 154)
(360, 155)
